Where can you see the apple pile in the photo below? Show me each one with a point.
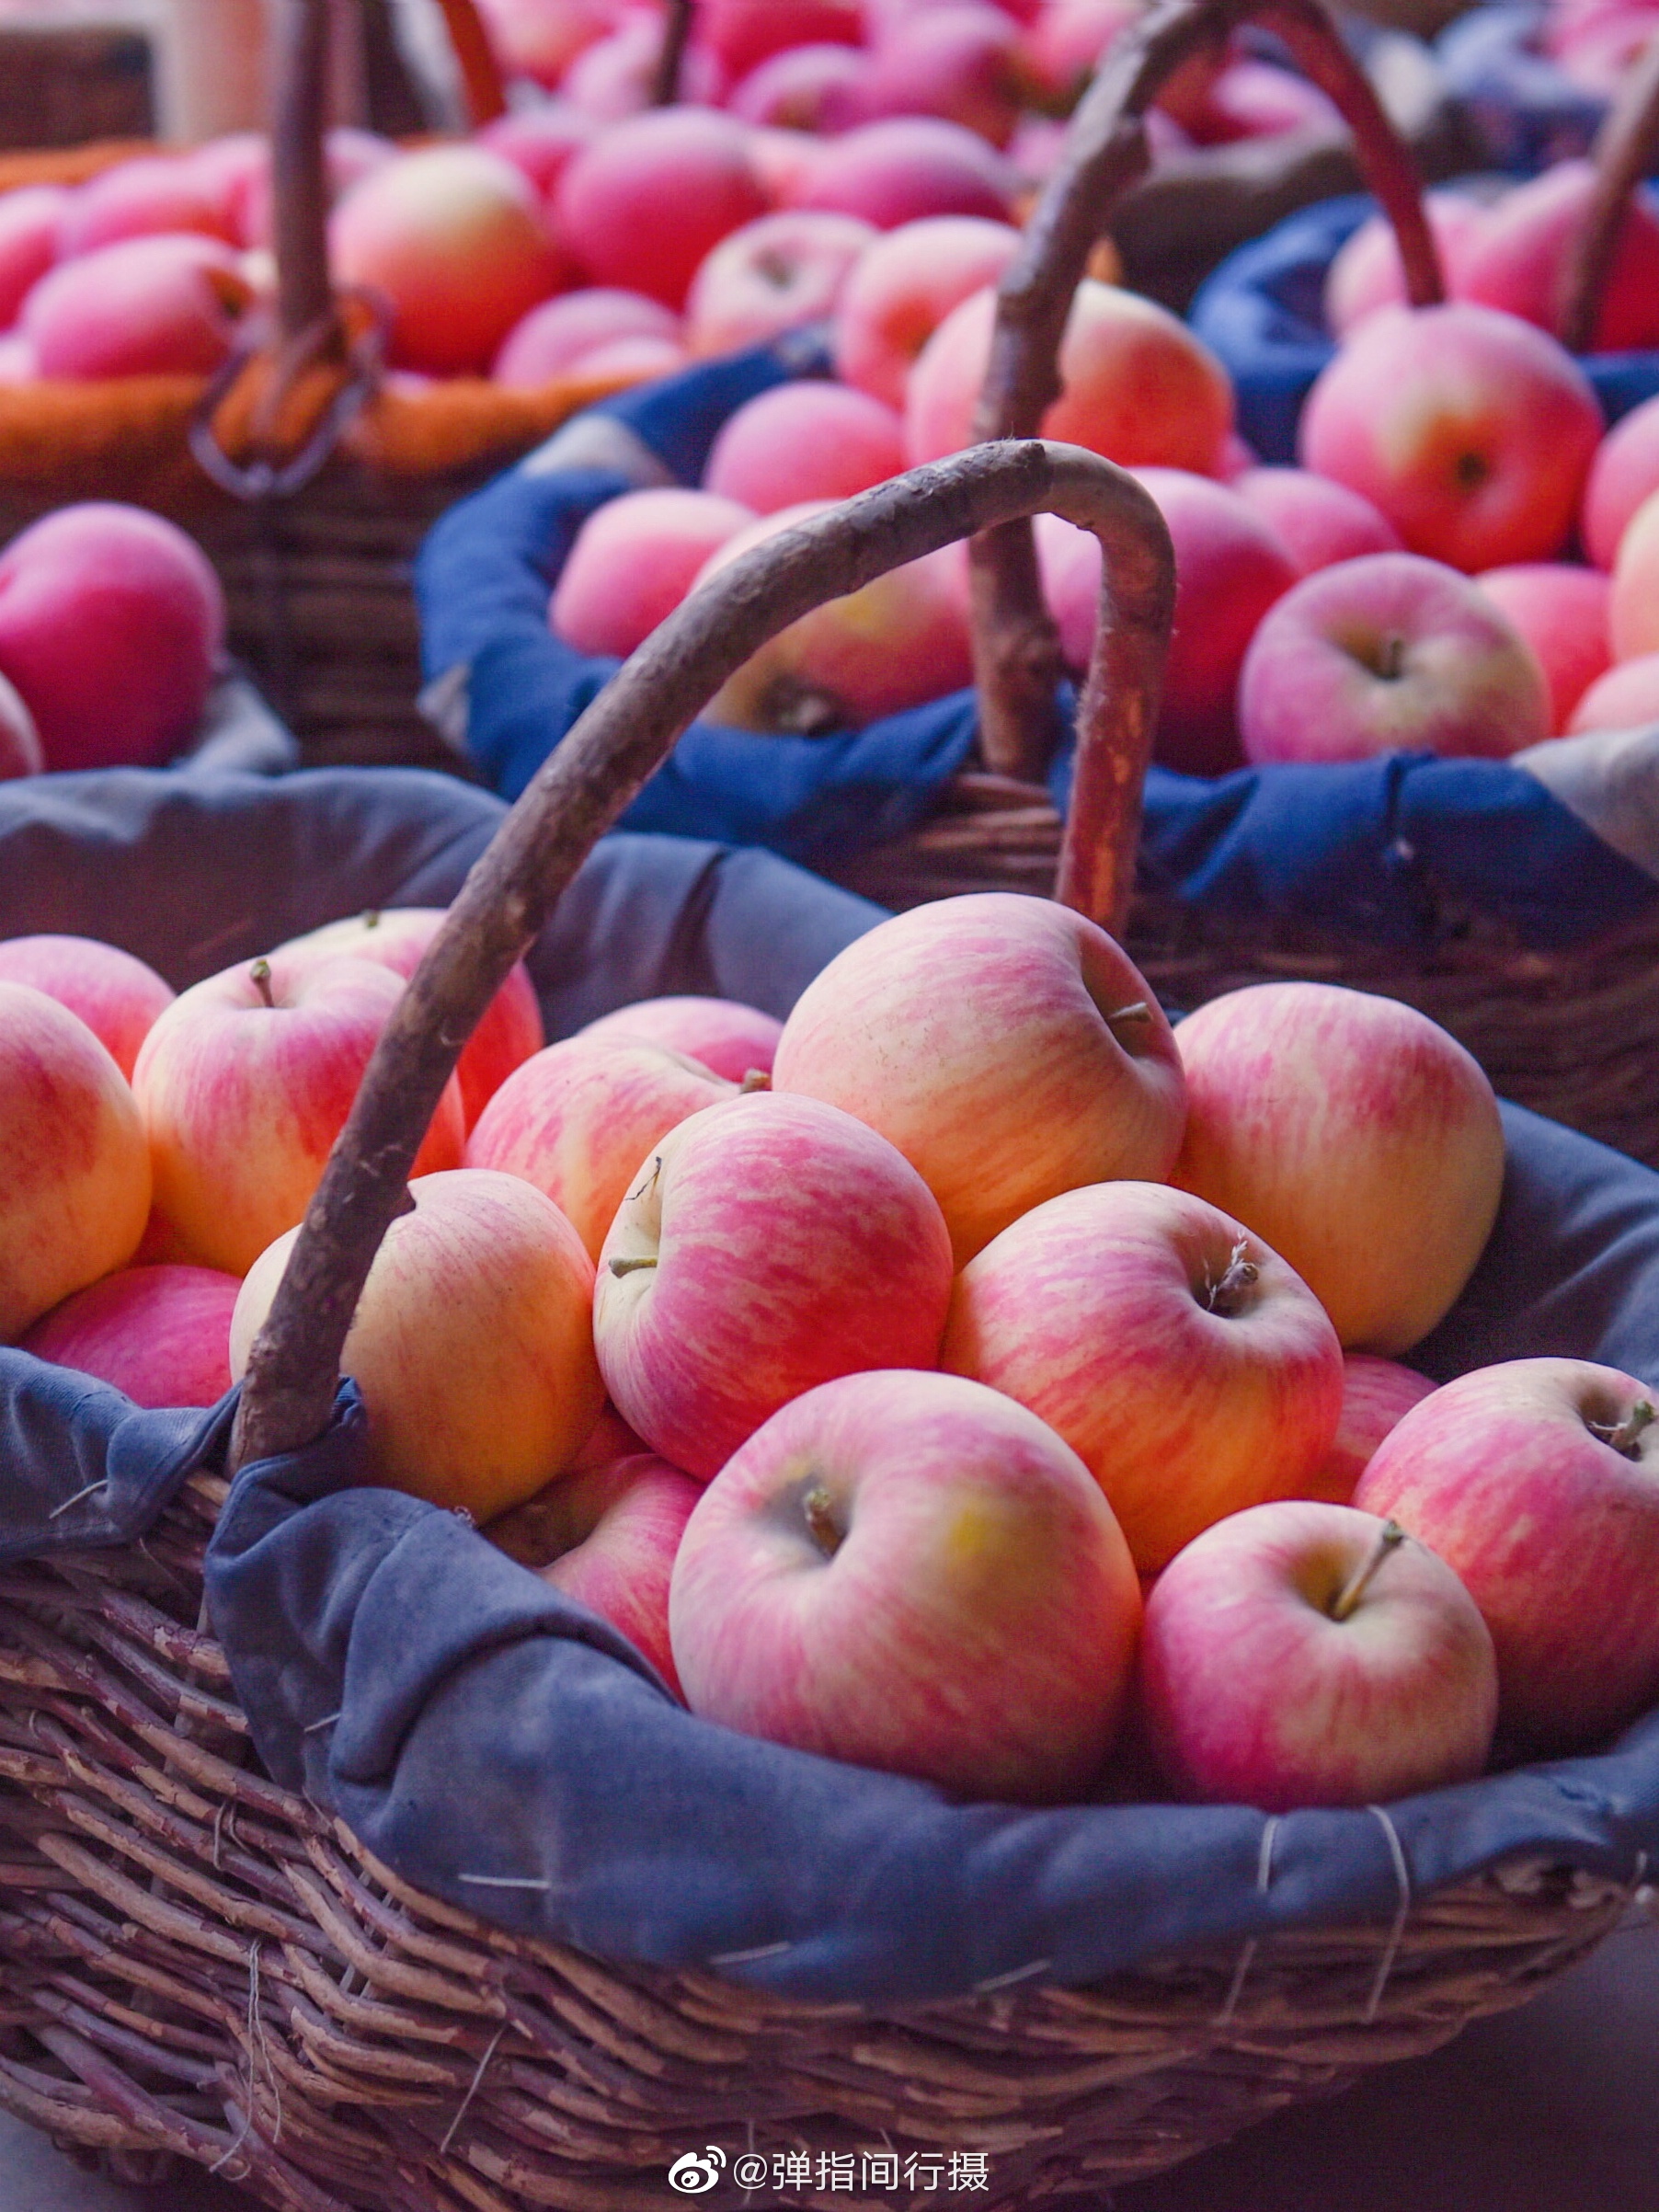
(111, 629)
(969, 1377)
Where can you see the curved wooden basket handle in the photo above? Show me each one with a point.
(1626, 146)
(1016, 650)
(615, 745)
(481, 80)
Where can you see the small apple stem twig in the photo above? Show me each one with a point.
(1625, 1436)
(822, 1525)
(1624, 154)
(675, 35)
(287, 1395)
(1016, 645)
(260, 972)
(620, 1267)
(1390, 1538)
(757, 1079)
(1239, 1276)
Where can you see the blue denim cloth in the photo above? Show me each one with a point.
(1527, 111)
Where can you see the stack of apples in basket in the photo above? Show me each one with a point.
(973, 1378)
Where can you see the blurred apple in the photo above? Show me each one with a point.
(634, 560)
(904, 286)
(646, 203)
(161, 306)
(772, 275)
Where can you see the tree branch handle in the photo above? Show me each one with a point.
(615, 745)
(1016, 650)
(481, 80)
(299, 181)
(1625, 147)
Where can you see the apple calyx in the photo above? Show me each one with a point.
(818, 1508)
(1226, 1295)
(1390, 1538)
(1624, 1436)
(631, 1267)
(757, 1079)
(260, 972)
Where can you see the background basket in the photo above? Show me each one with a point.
(314, 549)
(200, 1963)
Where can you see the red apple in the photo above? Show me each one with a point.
(733, 1039)
(1623, 474)
(898, 642)
(578, 1119)
(1355, 1136)
(1627, 696)
(1303, 1654)
(907, 167)
(1317, 522)
(645, 202)
(117, 997)
(904, 286)
(155, 193)
(911, 1572)
(742, 34)
(163, 306)
(470, 1342)
(805, 441)
(454, 238)
(397, 937)
(1006, 1046)
(960, 60)
(1366, 273)
(1376, 1396)
(634, 560)
(540, 140)
(245, 1083)
(1388, 653)
(111, 628)
(1561, 612)
(770, 1243)
(561, 336)
(799, 89)
(1633, 613)
(28, 230)
(162, 1335)
(1538, 1481)
(1470, 429)
(76, 1194)
(607, 1536)
(774, 274)
(1517, 258)
(1185, 1363)
(1136, 385)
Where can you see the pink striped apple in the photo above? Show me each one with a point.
(162, 1335)
(733, 1039)
(117, 997)
(1007, 1047)
(1185, 1363)
(911, 1572)
(1304, 1654)
(770, 1243)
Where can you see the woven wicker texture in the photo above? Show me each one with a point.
(193, 1962)
(1573, 1034)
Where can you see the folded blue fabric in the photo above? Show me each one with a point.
(1261, 311)
(1401, 851)
(508, 1751)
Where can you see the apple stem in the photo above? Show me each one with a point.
(632, 1267)
(372, 918)
(1390, 1538)
(260, 971)
(756, 1080)
(1241, 1273)
(1391, 658)
(1623, 1436)
(821, 1526)
(1137, 1011)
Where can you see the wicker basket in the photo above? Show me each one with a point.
(198, 1965)
(1572, 1033)
(313, 523)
